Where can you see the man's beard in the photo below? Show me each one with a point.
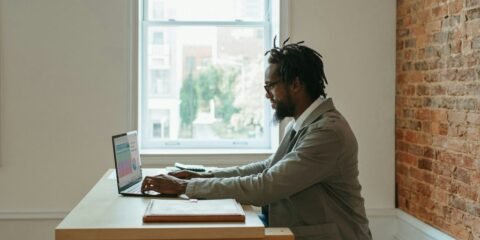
(283, 109)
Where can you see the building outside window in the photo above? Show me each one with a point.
(202, 68)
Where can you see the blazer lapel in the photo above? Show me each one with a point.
(325, 106)
(289, 141)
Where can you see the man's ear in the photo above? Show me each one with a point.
(296, 85)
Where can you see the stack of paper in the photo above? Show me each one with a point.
(192, 210)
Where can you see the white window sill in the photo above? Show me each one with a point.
(207, 157)
(229, 151)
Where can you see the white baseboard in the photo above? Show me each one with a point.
(386, 224)
(409, 227)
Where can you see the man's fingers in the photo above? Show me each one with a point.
(147, 184)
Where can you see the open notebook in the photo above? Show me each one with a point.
(192, 210)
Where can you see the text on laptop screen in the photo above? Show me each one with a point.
(128, 158)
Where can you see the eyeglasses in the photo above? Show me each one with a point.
(270, 85)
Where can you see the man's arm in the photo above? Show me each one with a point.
(245, 170)
(314, 160)
(176, 182)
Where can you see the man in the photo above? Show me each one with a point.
(311, 183)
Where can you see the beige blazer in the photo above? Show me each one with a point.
(310, 184)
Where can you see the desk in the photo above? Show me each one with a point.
(103, 214)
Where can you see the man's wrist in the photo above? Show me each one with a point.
(208, 175)
(183, 186)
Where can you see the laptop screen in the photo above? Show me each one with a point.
(127, 158)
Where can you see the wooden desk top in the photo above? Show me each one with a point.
(104, 214)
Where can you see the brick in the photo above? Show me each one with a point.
(407, 66)
(441, 197)
(457, 131)
(424, 114)
(399, 133)
(418, 30)
(469, 104)
(458, 203)
(429, 152)
(472, 3)
(438, 90)
(456, 144)
(411, 136)
(444, 183)
(476, 43)
(415, 150)
(455, 46)
(433, 26)
(424, 139)
(400, 44)
(403, 32)
(440, 37)
(472, 14)
(408, 90)
(402, 169)
(455, 33)
(471, 28)
(469, 163)
(416, 174)
(422, 90)
(463, 191)
(406, 158)
(466, 75)
(410, 43)
(432, 77)
(473, 118)
(473, 133)
(431, 3)
(425, 164)
(409, 54)
(455, 7)
(439, 12)
(456, 116)
(421, 66)
(472, 60)
(448, 75)
(461, 174)
(409, 113)
(415, 125)
(432, 51)
(439, 115)
(447, 157)
(448, 103)
(456, 90)
(437, 63)
(443, 129)
(455, 62)
(439, 141)
(473, 89)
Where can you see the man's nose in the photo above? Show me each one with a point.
(268, 95)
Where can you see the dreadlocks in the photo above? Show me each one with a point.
(295, 60)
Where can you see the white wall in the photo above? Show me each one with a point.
(357, 41)
(64, 85)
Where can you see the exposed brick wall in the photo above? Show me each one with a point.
(438, 113)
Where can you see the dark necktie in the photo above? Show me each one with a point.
(290, 140)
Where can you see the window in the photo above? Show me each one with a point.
(202, 71)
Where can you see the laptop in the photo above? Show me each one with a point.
(128, 166)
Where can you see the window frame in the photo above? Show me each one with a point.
(140, 43)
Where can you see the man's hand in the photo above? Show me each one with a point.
(164, 184)
(185, 174)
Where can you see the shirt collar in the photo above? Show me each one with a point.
(298, 123)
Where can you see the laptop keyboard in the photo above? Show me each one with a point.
(134, 189)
